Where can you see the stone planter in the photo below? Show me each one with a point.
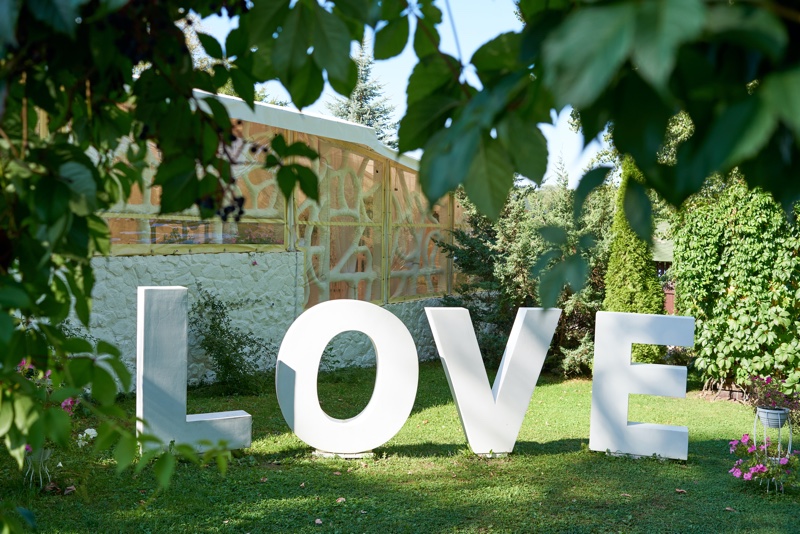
(772, 417)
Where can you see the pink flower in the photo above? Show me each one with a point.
(747, 476)
(736, 472)
(69, 404)
(48, 373)
(752, 449)
(739, 462)
(783, 461)
(745, 438)
(768, 380)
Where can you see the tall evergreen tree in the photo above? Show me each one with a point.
(366, 104)
(631, 281)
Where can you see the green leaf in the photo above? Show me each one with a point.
(80, 371)
(391, 39)
(99, 234)
(125, 451)
(14, 297)
(639, 210)
(6, 416)
(52, 200)
(164, 468)
(300, 149)
(305, 85)
(331, 41)
(583, 54)
(527, 146)
(590, 181)
(430, 74)
(9, 13)
(104, 388)
(750, 27)
(554, 234)
(346, 86)
(426, 36)
(639, 129)
(58, 14)
(781, 92)
(78, 345)
(263, 19)
(104, 347)
(552, 283)
(120, 370)
(179, 181)
(80, 180)
(490, 177)
(244, 86)
(6, 330)
(498, 57)
(736, 135)
(289, 52)
(661, 27)
(218, 111)
(422, 120)
(309, 183)
(58, 425)
(211, 45)
(236, 41)
(447, 159)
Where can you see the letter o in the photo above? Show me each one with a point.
(396, 376)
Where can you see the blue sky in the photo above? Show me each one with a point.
(475, 22)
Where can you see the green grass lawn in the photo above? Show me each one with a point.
(425, 479)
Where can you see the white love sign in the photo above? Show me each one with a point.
(396, 376)
(491, 416)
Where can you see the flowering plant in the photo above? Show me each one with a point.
(769, 393)
(764, 462)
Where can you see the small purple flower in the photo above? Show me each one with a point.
(751, 449)
(745, 438)
(768, 380)
(28, 448)
(68, 405)
(783, 461)
(747, 476)
(736, 472)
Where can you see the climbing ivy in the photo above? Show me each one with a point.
(738, 275)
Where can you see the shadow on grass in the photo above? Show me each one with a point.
(521, 448)
(547, 487)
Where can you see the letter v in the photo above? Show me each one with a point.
(492, 417)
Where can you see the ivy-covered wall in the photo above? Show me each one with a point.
(738, 273)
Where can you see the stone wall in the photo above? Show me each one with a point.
(273, 281)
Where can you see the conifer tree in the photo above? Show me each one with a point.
(366, 104)
(631, 281)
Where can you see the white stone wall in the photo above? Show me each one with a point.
(272, 280)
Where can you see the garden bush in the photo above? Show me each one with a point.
(738, 273)
(632, 284)
(238, 357)
(497, 261)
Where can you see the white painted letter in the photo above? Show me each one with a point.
(396, 376)
(615, 377)
(161, 357)
(492, 417)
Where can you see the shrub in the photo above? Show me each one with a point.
(632, 284)
(497, 260)
(738, 274)
(235, 354)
